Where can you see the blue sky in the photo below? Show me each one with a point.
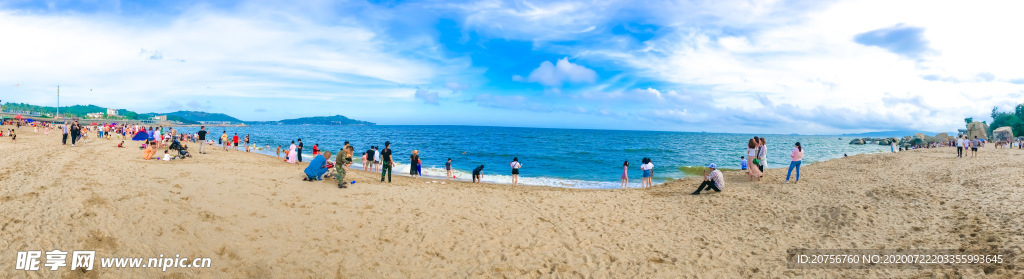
(813, 67)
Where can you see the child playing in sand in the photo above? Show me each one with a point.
(120, 145)
(167, 156)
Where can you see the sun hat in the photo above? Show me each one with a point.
(712, 166)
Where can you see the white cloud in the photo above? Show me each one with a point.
(561, 72)
(427, 96)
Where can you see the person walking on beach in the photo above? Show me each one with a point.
(64, 137)
(224, 141)
(299, 151)
(202, 139)
(960, 147)
(317, 167)
(414, 163)
(75, 130)
(448, 169)
(364, 161)
(647, 166)
(625, 174)
(515, 170)
(798, 156)
(974, 147)
(388, 163)
(246, 143)
(754, 172)
(712, 181)
(478, 173)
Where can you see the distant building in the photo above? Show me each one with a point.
(160, 118)
(111, 112)
(94, 115)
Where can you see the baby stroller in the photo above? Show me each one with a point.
(182, 149)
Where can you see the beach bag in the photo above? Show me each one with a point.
(757, 162)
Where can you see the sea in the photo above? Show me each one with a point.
(570, 158)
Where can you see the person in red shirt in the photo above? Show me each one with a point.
(235, 138)
(316, 149)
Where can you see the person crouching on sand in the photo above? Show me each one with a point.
(147, 154)
(317, 167)
(712, 181)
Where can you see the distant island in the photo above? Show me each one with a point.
(183, 117)
(316, 120)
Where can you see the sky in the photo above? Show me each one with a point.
(808, 67)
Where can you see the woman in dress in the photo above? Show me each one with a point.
(754, 172)
(292, 155)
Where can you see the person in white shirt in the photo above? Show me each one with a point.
(515, 170)
(167, 156)
(712, 181)
(648, 169)
(959, 147)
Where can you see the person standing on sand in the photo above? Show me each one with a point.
(625, 174)
(278, 151)
(342, 166)
(743, 163)
(234, 140)
(754, 172)
(298, 151)
(317, 167)
(369, 163)
(647, 166)
(798, 156)
(478, 173)
(316, 148)
(364, 161)
(515, 170)
(224, 141)
(376, 158)
(202, 139)
(246, 143)
(291, 153)
(388, 163)
(762, 155)
(413, 161)
(712, 181)
(448, 168)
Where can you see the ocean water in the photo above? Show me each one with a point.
(550, 157)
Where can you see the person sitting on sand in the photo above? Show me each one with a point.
(478, 173)
(317, 167)
(712, 181)
(167, 155)
(149, 151)
(120, 145)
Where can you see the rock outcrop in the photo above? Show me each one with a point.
(977, 129)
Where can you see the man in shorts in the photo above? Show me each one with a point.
(478, 173)
(974, 147)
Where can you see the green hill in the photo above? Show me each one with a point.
(317, 120)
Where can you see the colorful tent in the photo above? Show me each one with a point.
(141, 135)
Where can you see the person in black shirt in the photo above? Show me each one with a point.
(369, 157)
(202, 139)
(385, 156)
(75, 130)
(477, 173)
(299, 150)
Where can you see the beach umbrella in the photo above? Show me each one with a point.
(17, 116)
(94, 123)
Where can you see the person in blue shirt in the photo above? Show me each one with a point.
(743, 163)
(318, 167)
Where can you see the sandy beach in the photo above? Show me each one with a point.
(255, 218)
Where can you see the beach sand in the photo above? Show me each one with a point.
(255, 218)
